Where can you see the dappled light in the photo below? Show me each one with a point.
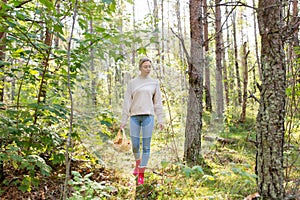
(149, 100)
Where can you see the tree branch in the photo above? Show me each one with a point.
(183, 45)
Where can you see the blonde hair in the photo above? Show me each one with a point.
(142, 60)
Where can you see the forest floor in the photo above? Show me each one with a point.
(109, 167)
(102, 172)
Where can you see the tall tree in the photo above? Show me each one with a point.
(162, 38)
(192, 146)
(236, 63)
(156, 32)
(219, 68)
(225, 63)
(256, 43)
(271, 114)
(2, 55)
(41, 96)
(133, 51)
(69, 142)
(2, 60)
(92, 67)
(245, 82)
(208, 103)
(294, 20)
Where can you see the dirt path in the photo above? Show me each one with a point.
(162, 149)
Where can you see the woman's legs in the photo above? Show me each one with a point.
(146, 124)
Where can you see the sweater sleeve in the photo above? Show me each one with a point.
(158, 107)
(127, 103)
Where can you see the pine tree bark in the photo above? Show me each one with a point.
(237, 68)
(192, 146)
(225, 76)
(245, 83)
(219, 67)
(271, 114)
(295, 18)
(208, 102)
(256, 43)
(226, 65)
(2, 59)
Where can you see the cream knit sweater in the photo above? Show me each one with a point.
(142, 97)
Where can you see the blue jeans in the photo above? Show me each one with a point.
(146, 124)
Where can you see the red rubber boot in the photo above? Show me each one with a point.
(136, 169)
(141, 175)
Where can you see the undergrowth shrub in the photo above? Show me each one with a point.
(85, 188)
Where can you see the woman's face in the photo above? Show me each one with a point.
(145, 68)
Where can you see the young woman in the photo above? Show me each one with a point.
(142, 100)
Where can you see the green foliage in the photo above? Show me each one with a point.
(86, 189)
(29, 163)
(178, 181)
(34, 127)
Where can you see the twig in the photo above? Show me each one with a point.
(251, 95)
(183, 46)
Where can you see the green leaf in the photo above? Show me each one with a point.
(76, 174)
(107, 1)
(33, 72)
(58, 28)
(187, 171)
(2, 63)
(26, 184)
(198, 169)
(164, 164)
(48, 4)
(58, 158)
(142, 50)
(88, 175)
(209, 177)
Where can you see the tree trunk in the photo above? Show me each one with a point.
(162, 39)
(92, 68)
(41, 97)
(192, 147)
(225, 63)
(245, 83)
(237, 70)
(69, 141)
(2, 59)
(271, 114)
(256, 46)
(133, 55)
(208, 102)
(156, 35)
(219, 68)
(295, 18)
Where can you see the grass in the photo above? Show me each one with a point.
(229, 172)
